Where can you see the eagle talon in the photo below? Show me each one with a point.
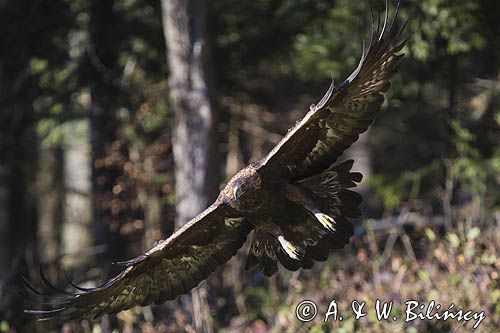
(290, 249)
(327, 221)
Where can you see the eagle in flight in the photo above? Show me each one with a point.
(296, 200)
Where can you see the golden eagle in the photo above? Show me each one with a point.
(296, 200)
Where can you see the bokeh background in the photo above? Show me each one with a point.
(88, 123)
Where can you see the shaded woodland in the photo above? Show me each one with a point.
(120, 120)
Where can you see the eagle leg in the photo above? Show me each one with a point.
(299, 196)
(292, 250)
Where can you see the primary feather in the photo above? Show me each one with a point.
(344, 112)
(173, 267)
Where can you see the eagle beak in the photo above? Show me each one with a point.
(237, 192)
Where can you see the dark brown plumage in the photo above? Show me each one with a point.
(296, 201)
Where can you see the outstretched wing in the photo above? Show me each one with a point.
(171, 268)
(346, 111)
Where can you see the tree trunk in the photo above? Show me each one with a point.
(18, 161)
(193, 136)
(50, 191)
(99, 74)
(361, 154)
(193, 127)
(77, 226)
(152, 209)
(4, 222)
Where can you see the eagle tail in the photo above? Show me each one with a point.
(323, 222)
(331, 190)
(302, 228)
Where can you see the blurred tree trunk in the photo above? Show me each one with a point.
(18, 219)
(22, 203)
(50, 191)
(6, 261)
(4, 222)
(360, 152)
(152, 209)
(77, 226)
(193, 127)
(99, 74)
(88, 178)
(99, 59)
(193, 137)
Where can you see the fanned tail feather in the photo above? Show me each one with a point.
(331, 190)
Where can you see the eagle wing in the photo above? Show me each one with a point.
(346, 111)
(171, 268)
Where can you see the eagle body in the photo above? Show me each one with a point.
(292, 220)
(296, 202)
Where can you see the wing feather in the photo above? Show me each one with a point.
(343, 113)
(171, 268)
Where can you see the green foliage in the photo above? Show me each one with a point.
(322, 51)
(4, 326)
(441, 123)
(441, 23)
(391, 192)
(469, 167)
(409, 185)
(477, 163)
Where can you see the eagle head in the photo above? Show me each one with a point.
(246, 186)
(241, 191)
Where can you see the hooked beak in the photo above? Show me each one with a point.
(237, 192)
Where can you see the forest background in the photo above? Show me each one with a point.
(89, 131)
